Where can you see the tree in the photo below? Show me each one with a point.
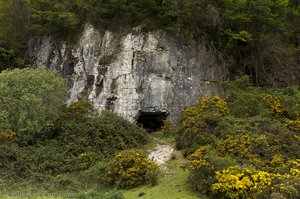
(14, 23)
(255, 35)
(30, 101)
(54, 17)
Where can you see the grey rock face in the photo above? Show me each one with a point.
(138, 72)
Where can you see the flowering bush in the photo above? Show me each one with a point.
(209, 110)
(287, 185)
(237, 145)
(7, 135)
(201, 170)
(274, 103)
(199, 122)
(79, 109)
(234, 182)
(277, 161)
(214, 104)
(131, 168)
(292, 124)
(264, 134)
(199, 158)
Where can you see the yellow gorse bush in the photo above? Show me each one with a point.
(234, 182)
(297, 137)
(288, 184)
(292, 124)
(209, 109)
(237, 145)
(215, 104)
(274, 103)
(277, 161)
(198, 158)
(82, 155)
(7, 135)
(294, 163)
(131, 168)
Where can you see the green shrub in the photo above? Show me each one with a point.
(261, 133)
(78, 143)
(105, 134)
(97, 173)
(132, 168)
(30, 101)
(244, 99)
(204, 162)
(239, 145)
(199, 123)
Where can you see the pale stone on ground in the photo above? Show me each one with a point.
(161, 153)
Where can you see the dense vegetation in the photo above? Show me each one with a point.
(254, 37)
(44, 141)
(245, 146)
(30, 101)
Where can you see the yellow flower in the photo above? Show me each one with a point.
(292, 124)
(82, 155)
(235, 182)
(7, 135)
(274, 103)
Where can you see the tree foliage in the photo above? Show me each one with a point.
(255, 37)
(57, 18)
(30, 101)
(15, 29)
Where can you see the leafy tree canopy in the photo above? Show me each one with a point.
(30, 101)
(254, 36)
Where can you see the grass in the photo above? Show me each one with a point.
(159, 138)
(28, 192)
(172, 182)
(27, 196)
(10, 189)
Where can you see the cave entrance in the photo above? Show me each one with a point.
(152, 121)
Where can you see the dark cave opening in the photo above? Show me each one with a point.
(152, 121)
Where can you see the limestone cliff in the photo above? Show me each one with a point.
(134, 73)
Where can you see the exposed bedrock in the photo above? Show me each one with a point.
(137, 73)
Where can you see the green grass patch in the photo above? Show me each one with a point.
(159, 137)
(172, 183)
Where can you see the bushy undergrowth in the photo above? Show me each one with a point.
(131, 168)
(43, 141)
(245, 145)
(77, 143)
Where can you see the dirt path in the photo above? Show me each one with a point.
(161, 153)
